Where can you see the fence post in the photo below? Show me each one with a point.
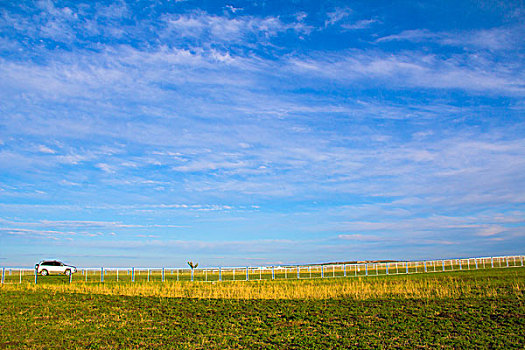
(507, 260)
(322, 271)
(366, 269)
(36, 275)
(425, 265)
(101, 274)
(521, 258)
(163, 279)
(492, 262)
(344, 270)
(70, 278)
(85, 275)
(192, 275)
(298, 276)
(273, 272)
(132, 274)
(247, 274)
(3, 274)
(386, 266)
(148, 275)
(20, 276)
(460, 267)
(220, 274)
(443, 264)
(476, 263)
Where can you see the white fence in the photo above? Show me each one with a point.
(223, 274)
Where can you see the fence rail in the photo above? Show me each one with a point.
(223, 274)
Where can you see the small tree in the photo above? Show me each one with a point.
(193, 267)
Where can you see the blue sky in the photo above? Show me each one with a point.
(236, 133)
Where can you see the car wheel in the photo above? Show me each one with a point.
(44, 273)
(68, 272)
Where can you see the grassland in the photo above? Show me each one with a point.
(467, 309)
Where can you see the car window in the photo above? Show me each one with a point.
(45, 263)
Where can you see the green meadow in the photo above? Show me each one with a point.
(461, 309)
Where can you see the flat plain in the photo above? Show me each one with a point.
(461, 309)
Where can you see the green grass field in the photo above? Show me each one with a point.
(467, 309)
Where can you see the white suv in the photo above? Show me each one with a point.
(47, 267)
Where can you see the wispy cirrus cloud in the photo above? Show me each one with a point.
(80, 224)
(361, 24)
(206, 27)
(337, 15)
(45, 149)
(41, 234)
(408, 70)
(491, 39)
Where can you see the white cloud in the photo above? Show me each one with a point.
(118, 9)
(415, 35)
(363, 237)
(45, 149)
(203, 26)
(81, 225)
(361, 24)
(491, 39)
(106, 168)
(406, 70)
(337, 15)
(492, 230)
(44, 234)
(234, 9)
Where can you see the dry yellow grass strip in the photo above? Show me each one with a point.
(358, 289)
